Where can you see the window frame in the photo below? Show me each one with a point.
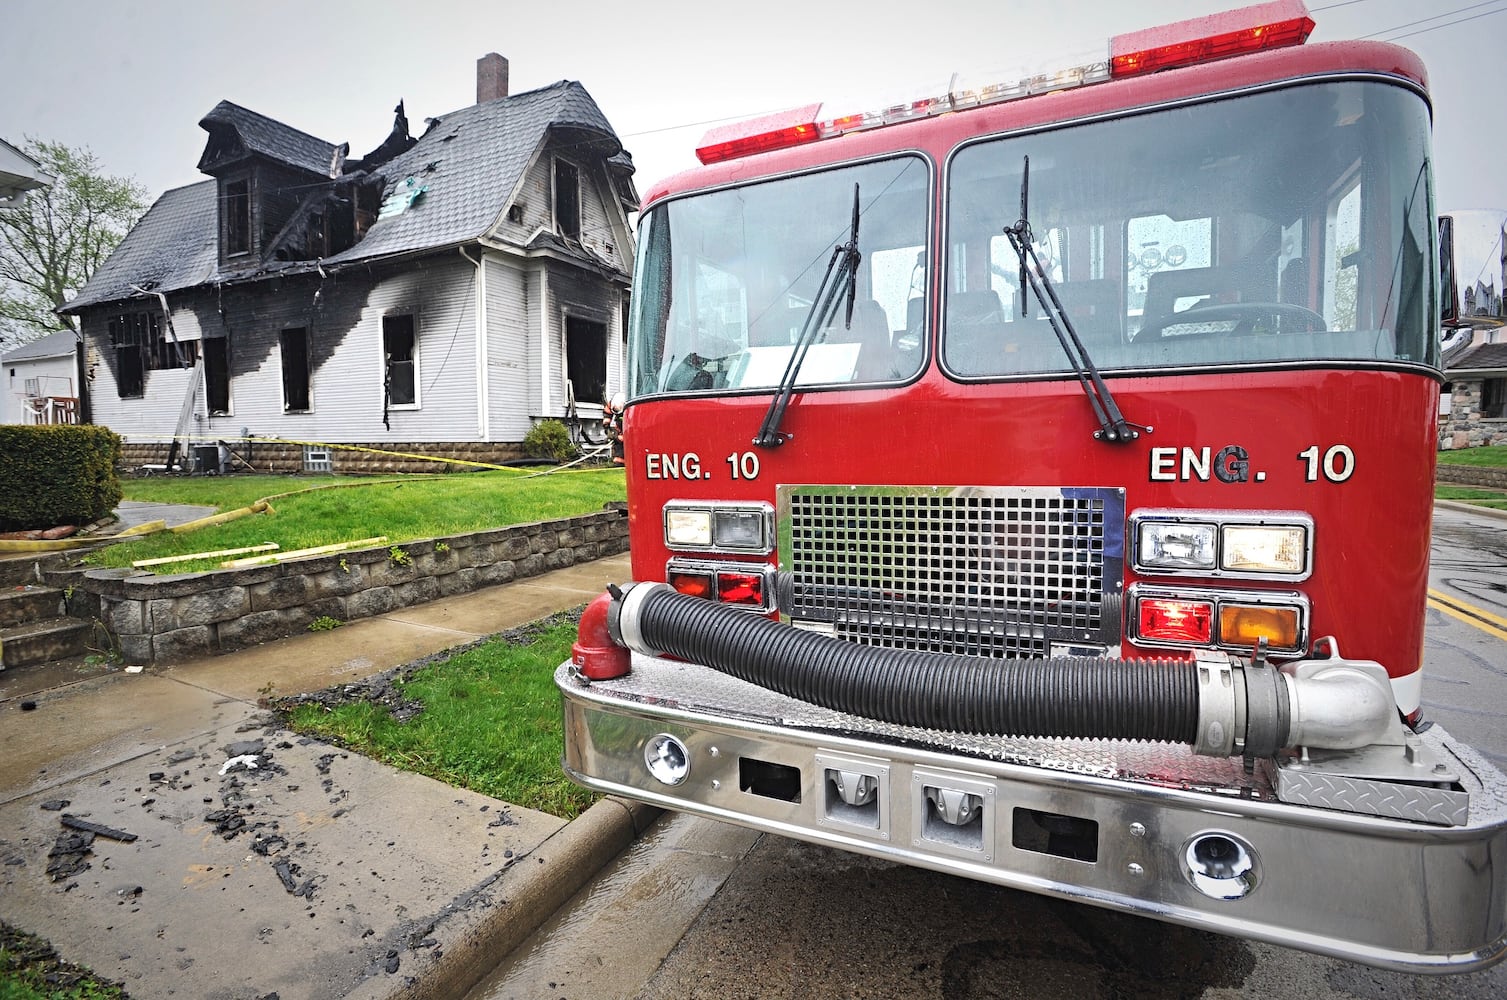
(580, 317)
(236, 207)
(559, 194)
(394, 319)
(308, 379)
(214, 373)
(1493, 403)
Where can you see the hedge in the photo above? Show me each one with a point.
(56, 474)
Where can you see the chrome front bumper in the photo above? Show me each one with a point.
(1114, 824)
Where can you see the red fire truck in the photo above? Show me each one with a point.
(1032, 482)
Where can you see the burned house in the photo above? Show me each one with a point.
(435, 297)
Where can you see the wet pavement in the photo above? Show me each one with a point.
(158, 828)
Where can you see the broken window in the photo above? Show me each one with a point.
(567, 199)
(140, 347)
(237, 217)
(368, 203)
(401, 361)
(586, 359)
(217, 375)
(295, 356)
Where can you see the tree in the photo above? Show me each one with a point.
(52, 243)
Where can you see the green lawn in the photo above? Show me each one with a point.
(490, 720)
(1494, 456)
(310, 511)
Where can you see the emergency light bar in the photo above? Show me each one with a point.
(1204, 39)
(1277, 24)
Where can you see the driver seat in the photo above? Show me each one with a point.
(1208, 285)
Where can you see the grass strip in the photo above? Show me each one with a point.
(487, 718)
(31, 970)
(311, 511)
(1488, 456)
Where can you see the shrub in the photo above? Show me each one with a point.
(549, 439)
(57, 474)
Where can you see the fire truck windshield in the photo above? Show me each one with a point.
(1287, 225)
(727, 280)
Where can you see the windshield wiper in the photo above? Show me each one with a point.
(840, 279)
(1113, 427)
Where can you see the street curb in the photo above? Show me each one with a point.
(1470, 508)
(473, 939)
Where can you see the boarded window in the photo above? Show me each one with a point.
(586, 359)
(217, 374)
(237, 217)
(568, 199)
(294, 345)
(400, 351)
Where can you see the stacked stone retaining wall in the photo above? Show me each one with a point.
(1470, 475)
(158, 619)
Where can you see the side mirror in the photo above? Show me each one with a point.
(1449, 299)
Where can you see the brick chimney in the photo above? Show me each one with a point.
(491, 78)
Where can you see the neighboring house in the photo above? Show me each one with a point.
(436, 297)
(19, 174)
(1473, 402)
(39, 381)
(1474, 407)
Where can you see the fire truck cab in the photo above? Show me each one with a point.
(1033, 482)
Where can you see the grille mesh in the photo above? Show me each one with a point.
(981, 570)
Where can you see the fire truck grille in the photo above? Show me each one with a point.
(991, 571)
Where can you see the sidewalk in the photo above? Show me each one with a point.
(239, 861)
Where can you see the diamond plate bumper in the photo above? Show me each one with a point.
(1108, 823)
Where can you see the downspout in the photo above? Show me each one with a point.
(483, 376)
(544, 361)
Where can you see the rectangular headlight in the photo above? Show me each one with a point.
(1263, 548)
(738, 528)
(688, 528)
(742, 530)
(1169, 545)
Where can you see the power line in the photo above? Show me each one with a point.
(1435, 17)
(1473, 17)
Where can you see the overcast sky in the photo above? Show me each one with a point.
(130, 79)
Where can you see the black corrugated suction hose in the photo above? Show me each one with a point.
(1153, 700)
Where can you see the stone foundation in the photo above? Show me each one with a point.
(158, 619)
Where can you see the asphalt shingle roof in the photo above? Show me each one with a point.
(267, 137)
(469, 162)
(1479, 356)
(174, 246)
(54, 345)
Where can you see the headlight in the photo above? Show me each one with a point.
(1260, 548)
(719, 526)
(688, 529)
(1254, 545)
(1167, 545)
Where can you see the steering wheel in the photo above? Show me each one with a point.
(1245, 314)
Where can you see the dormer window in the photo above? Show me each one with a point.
(237, 214)
(567, 199)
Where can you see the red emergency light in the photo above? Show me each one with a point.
(1276, 24)
(757, 135)
(1201, 39)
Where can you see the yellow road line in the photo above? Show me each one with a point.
(1469, 614)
